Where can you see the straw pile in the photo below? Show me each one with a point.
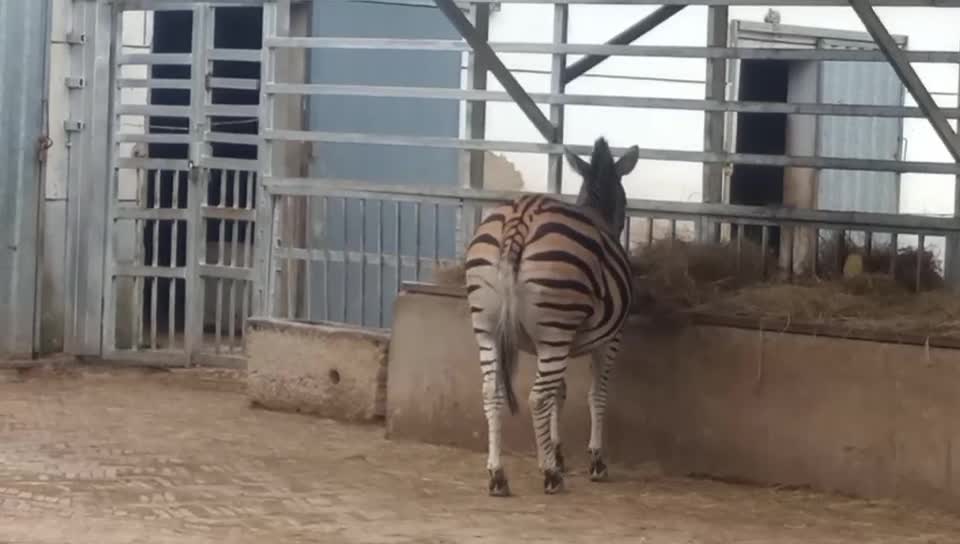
(674, 280)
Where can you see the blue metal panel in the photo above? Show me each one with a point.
(872, 83)
(24, 34)
(381, 164)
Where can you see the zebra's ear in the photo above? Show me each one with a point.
(628, 161)
(579, 165)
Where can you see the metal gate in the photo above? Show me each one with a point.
(178, 280)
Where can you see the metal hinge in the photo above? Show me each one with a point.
(75, 82)
(73, 126)
(76, 38)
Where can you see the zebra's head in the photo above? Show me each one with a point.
(602, 188)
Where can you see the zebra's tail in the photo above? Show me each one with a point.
(507, 329)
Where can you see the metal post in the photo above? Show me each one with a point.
(713, 127)
(475, 128)
(951, 264)
(557, 85)
(197, 184)
(263, 239)
(629, 35)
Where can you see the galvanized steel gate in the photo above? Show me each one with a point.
(179, 260)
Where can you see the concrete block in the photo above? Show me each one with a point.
(333, 372)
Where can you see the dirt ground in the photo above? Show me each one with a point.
(135, 456)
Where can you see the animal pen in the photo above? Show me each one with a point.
(208, 197)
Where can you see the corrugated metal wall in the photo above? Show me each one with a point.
(24, 33)
(872, 83)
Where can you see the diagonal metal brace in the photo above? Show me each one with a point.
(908, 76)
(629, 34)
(488, 58)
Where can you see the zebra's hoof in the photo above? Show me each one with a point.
(598, 470)
(552, 482)
(561, 466)
(499, 487)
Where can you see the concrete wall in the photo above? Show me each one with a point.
(866, 418)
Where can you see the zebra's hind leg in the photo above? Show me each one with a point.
(602, 362)
(544, 408)
(555, 426)
(493, 399)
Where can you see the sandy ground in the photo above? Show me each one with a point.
(135, 456)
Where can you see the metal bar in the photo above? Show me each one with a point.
(920, 244)
(154, 83)
(174, 263)
(625, 37)
(132, 137)
(232, 110)
(235, 235)
(436, 238)
(493, 63)
(231, 138)
(907, 75)
(289, 226)
(881, 222)
(739, 247)
(764, 243)
(719, 105)
(152, 164)
(226, 272)
(883, 3)
(951, 261)
(416, 240)
(153, 59)
(380, 274)
(649, 231)
(346, 265)
(241, 84)
(147, 109)
(263, 239)
(363, 260)
(326, 248)
(398, 241)
(713, 122)
(151, 214)
(308, 266)
(248, 165)
(757, 53)
(155, 261)
(557, 86)
(146, 271)
(475, 124)
(644, 153)
(234, 55)
(228, 214)
(893, 255)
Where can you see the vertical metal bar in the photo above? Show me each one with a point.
(868, 242)
(712, 190)
(739, 246)
(326, 258)
(363, 260)
(649, 231)
(951, 261)
(263, 243)
(673, 230)
(138, 258)
(920, 244)
(764, 243)
(398, 241)
(288, 218)
(894, 236)
(195, 286)
(416, 241)
(815, 258)
(234, 257)
(246, 290)
(380, 263)
(841, 249)
(626, 235)
(557, 86)
(108, 334)
(155, 261)
(436, 238)
(475, 125)
(308, 264)
(346, 262)
(175, 236)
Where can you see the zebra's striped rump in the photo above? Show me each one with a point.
(551, 274)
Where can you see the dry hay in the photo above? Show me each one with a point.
(674, 280)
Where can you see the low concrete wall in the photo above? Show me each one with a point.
(333, 372)
(866, 418)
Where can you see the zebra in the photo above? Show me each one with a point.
(551, 278)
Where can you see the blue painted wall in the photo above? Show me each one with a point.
(376, 163)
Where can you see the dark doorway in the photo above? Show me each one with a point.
(763, 134)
